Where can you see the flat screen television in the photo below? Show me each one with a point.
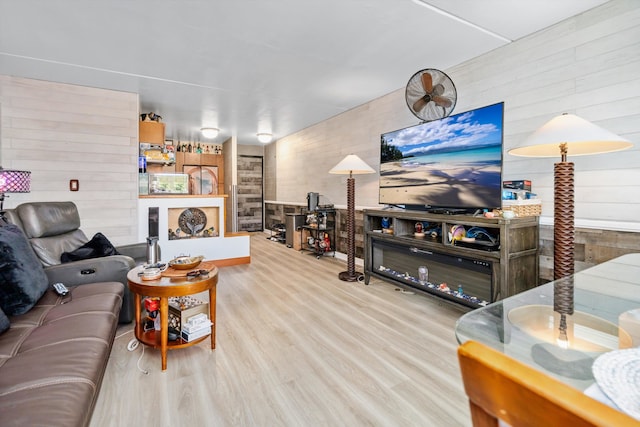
(452, 163)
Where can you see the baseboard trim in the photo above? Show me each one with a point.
(236, 233)
(227, 262)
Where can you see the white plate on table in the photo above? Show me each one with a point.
(617, 373)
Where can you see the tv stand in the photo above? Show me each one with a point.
(451, 211)
(502, 261)
(390, 207)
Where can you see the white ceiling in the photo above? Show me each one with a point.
(249, 66)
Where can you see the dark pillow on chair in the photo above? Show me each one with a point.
(97, 247)
(4, 322)
(22, 277)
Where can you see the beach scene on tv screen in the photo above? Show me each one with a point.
(453, 162)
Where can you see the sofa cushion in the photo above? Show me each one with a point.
(4, 322)
(57, 352)
(97, 247)
(49, 249)
(52, 227)
(45, 219)
(22, 277)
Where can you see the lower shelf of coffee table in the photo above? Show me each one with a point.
(152, 339)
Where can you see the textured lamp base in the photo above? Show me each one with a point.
(563, 213)
(563, 295)
(350, 276)
(563, 240)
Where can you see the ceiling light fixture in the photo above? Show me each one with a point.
(265, 138)
(209, 132)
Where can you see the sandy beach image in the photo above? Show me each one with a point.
(439, 184)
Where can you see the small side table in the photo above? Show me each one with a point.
(164, 288)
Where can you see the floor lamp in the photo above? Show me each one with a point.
(565, 135)
(351, 165)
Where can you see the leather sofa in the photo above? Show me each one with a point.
(54, 228)
(53, 358)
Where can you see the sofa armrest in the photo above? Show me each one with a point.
(105, 269)
(137, 251)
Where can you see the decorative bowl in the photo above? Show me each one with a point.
(185, 262)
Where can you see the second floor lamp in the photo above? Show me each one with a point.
(351, 165)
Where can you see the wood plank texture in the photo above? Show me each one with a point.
(587, 65)
(61, 132)
(297, 347)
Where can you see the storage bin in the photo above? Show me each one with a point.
(183, 308)
(523, 207)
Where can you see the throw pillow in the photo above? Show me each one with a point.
(22, 277)
(98, 246)
(4, 322)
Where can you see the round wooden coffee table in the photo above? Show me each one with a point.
(164, 288)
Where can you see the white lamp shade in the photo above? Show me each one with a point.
(351, 164)
(581, 136)
(209, 132)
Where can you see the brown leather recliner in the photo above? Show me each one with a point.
(53, 228)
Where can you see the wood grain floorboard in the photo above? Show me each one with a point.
(297, 347)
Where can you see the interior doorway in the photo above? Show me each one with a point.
(250, 193)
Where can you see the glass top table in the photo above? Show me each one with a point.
(561, 333)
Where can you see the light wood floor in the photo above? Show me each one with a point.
(297, 347)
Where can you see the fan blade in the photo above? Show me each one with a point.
(442, 101)
(427, 82)
(438, 89)
(421, 103)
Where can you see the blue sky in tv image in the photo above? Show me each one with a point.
(470, 130)
(452, 162)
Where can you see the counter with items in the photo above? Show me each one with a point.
(191, 225)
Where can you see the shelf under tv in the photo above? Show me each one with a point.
(485, 270)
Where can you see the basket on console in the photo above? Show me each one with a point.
(523, 207)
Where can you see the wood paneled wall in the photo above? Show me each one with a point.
(588, 65)
(592, 247)
(62, 132)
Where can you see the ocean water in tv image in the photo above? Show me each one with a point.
(480, 166)
(455, 162)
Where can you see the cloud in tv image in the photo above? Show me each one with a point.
(454, 162)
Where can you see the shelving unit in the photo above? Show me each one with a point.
(278, 233)
(502, 261)
(316, 243)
